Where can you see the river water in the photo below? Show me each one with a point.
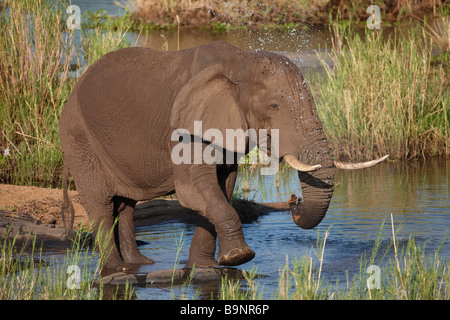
(417, 194)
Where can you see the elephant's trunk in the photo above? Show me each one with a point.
(317, 190)
(317, 182)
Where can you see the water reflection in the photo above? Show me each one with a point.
(416, 193)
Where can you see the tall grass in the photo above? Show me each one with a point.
(37, 54)
(385, 96)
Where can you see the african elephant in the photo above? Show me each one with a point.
(116, 134)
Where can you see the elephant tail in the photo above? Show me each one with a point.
(67, 210)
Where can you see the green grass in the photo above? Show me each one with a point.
(385, 96)
(37, 52)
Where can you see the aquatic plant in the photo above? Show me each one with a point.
(391, 270)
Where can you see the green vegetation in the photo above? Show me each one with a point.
(382, 97)
(386, 95)
(37, 54)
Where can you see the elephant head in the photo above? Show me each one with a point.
(265, 90)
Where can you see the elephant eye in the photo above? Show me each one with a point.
(274, 106)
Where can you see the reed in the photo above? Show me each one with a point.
(37, 56)
(385, 95)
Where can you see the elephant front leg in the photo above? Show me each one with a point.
(233, 250)
(198, 188)
(203, 246)
(226, 175)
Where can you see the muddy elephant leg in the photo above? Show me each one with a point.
(124, 209)
(106, 240)
(198, 188)
(203, 245)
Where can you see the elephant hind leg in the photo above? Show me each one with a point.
(105, 236)
(129, 251)
(203, 245)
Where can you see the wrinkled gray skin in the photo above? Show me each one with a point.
(116, 136)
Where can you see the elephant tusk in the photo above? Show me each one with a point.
(297, 165)
(360, 165)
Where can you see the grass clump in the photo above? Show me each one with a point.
(385, 96)
(37, 56)
(26, 275)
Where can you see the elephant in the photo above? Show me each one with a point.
(116, 134)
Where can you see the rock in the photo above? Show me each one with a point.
(164, 277)
(196, 275)
(121, 278)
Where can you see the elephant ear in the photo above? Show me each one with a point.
(210, 97)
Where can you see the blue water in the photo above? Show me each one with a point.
(94, 5)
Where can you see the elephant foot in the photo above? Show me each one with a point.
(140, 259)
(115, 266)
(236, 256)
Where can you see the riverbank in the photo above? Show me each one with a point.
(281, 13)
